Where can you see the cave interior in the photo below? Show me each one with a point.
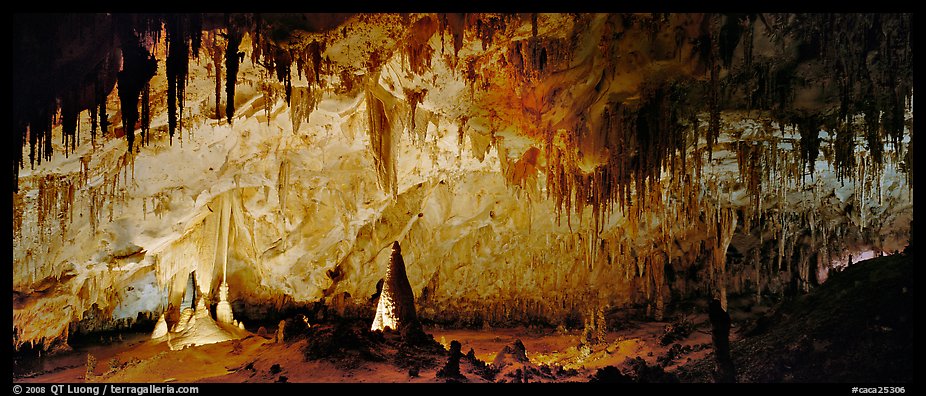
(475, 197)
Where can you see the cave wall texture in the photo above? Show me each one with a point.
(534, 167)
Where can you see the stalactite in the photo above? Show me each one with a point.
(77, 139)
(270, 97)
(183, 33)
(84, 174)
(282, 189)
(104, 117)
(146, 114)
(138, 68)
(69, 114)
(55, 199)
(92, 113)
(40, 127)
(19, 141)
(283, 61)
(94, 209)
(65, 204)
(873, 70)
(301, 106)
(48, 150)
(861, 192)
(749, 160)
(171, 98)
(313, 56)
(809, 143)
(456, 24)
(414, 98)
(724, 227)
(232, 59)
(417, 51)
(260, 39)
(713, 98)
(844, 150)
(461, 125)
(383, 143)
(486, 28)
(217, 53)
(19, 206)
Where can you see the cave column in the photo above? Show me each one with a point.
(223, 311)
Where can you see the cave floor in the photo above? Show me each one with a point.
(857, 327)
(252, 359)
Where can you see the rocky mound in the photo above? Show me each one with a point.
(856, 327)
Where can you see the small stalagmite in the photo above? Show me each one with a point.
(396, 306)
(160, 329)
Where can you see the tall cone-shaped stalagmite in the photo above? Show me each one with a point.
(396, 307)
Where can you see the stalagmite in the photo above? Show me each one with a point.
(396, 307)
(281, 332)
(160, 328)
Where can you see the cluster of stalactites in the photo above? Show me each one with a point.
(133, 34)
(138, 67)
(641, 139)
(233, 57)
(55, 200)
(868, 59)
(184, 38)
(278, 56)
(417, 51)
(302, 102)
(749, 158)
(644, 137)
